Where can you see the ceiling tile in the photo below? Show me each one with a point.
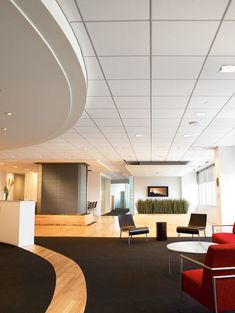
(93, 68)
(136, 113)
(85, 130)
(167, 113)
(213, 65)
(129, 87)
(165, 122)
(227, 113)
(224, 43)
(188, 10)
(83, 39)
(97, 88)
(99, 103)
(108, 122)
(132, 102)
(120, 38)
(70, 10)
(112, 130)
(84, 122)
(126, 67)
(138, 129)
(182, 38)
(166, 67)
(105, 113)
(207, 102)
(169, 102)
(101, 10)
(215, 88)
(134, 122)
(172, 87)
(230, 15)
(191, 113)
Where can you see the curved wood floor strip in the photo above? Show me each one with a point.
(70, 291)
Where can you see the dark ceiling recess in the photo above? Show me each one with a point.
(156, 162)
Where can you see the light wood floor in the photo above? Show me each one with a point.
(107, 226)
(70, 291)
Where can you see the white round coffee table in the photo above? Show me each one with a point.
(192, 247)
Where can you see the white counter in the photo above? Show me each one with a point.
(17, 222)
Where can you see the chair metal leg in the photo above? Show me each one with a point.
(181, 291)
(146, 237)
(214, 294)
(120, 233)
(199, 238)
(178, 234)
(129, 240)
(205, 233)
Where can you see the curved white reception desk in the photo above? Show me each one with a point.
(17, 222)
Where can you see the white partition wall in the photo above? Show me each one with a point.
(17, 222)
(225, 184)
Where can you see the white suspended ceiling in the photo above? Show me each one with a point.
(151, 67)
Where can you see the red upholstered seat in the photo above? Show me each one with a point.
(198, 283)
(224, 237)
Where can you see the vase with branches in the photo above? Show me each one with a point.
(7, 187)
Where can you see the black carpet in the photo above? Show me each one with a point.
(126, 279)
(117, 212)
(27, 281)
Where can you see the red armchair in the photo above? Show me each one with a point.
(213, 285)
(223, 237)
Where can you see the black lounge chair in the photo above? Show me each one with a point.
(127, 224)
(197, 222)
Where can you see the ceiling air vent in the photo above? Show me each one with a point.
(156, 162)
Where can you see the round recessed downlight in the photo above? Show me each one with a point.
(8, 113)
(139, 135)
(3, 129)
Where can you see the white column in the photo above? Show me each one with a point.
(225, 184)
(94, 190)
(17, 222)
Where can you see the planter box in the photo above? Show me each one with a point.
(65, 220)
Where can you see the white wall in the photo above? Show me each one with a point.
(94, 190)
(190, 190)
(30, 187)
(105, 195)
(141, 184)
(225, 174)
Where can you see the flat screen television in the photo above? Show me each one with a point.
(157, 191)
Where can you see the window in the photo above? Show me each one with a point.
(206, 186)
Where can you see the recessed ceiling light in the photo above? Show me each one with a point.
(3, 129)
(200, 113)
(8, 113)
(187, 135)
(1, 163)
(139, 135)
(227, 69)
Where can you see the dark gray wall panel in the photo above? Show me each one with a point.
(60, 190)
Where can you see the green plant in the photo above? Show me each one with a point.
(165, 206)
(7, 187)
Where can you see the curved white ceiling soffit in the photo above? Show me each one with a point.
(43, 79)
